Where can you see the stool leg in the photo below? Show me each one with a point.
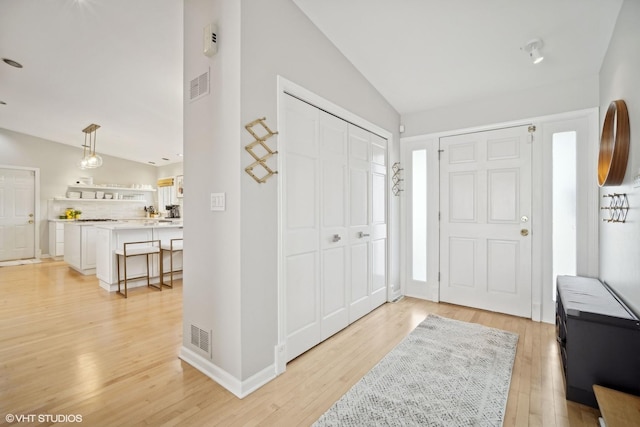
(118, 268)
(124, 259)
(171, 265)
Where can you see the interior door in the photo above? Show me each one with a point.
(485, 242)
(359, 227)
(334, 214)
(378, 221)
(301, 227)
(17, 214)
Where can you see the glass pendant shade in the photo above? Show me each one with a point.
(90, 160)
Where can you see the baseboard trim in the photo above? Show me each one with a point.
(240, 389)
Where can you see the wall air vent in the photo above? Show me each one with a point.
(201, 339)
(199, 87)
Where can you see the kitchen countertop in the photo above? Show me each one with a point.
(146, 223)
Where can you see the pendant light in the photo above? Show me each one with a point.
(90, 160)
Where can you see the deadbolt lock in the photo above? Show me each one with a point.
(524, 232)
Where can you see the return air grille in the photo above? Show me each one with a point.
(199, 87)
(200, 338)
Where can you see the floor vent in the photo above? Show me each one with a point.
(200, 338)
(199, 87)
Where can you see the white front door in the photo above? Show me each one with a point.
(485, 240)
(17, 214)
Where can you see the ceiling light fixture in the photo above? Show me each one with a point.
(534, 50)
(90, 160)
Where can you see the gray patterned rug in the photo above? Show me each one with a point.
(445, 373)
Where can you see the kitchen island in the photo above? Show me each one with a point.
(112, 236)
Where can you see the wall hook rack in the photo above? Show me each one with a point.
(397, 179)
(618, 207)
(260, 143)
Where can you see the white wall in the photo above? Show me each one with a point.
(573, 95)
(212, 164)
(278, 39)
(620, 243)
(231, 282)
(58, 168)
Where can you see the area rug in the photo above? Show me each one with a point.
(19, 262)
(445, 373)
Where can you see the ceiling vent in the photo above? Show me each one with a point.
(199, 87)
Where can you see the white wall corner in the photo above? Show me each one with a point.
(239, 388)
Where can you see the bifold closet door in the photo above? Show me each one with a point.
(301, 223)
(334, 224)
(334, 184)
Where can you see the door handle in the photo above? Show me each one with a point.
(524, 232)
(336, 238)
(30, 215)
(361, 234)
(30, 221)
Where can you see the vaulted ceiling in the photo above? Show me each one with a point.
(118, 63)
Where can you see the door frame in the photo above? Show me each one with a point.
(37, 252)
(543, 308)
(286, 88)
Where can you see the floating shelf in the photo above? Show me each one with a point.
(68, 199)
(98, 187)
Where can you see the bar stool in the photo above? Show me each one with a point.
(131, 249)
(174, 245)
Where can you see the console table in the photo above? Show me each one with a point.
(599, 339)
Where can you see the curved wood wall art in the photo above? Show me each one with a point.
(614, 145)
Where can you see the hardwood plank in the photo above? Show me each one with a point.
(69, 347)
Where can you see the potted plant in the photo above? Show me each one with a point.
(76, 214)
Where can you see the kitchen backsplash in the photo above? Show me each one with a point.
(93, 209)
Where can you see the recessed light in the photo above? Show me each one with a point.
(12, 62)
(152, 163)
(3, 103)
(164, 158)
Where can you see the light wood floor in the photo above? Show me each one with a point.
(68, 347)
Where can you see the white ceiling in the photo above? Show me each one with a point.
(118, 63)
(423, 54)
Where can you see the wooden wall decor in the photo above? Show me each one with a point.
(614, 145)
(260, 143)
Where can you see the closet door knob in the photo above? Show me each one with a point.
(336, 238)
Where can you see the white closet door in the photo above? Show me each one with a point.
(334, 215)
(378, 221)
(359, 222)
(301, 265)
(333, 224)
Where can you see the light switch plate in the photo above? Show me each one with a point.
(217, 201)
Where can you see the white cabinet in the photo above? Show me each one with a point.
(80, 247)
(56, 238)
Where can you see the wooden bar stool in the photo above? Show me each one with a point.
(131, 249)
(174, 245)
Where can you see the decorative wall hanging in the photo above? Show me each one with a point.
(396, 178)
(614, 145)
(260, 160)
(618, 207)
